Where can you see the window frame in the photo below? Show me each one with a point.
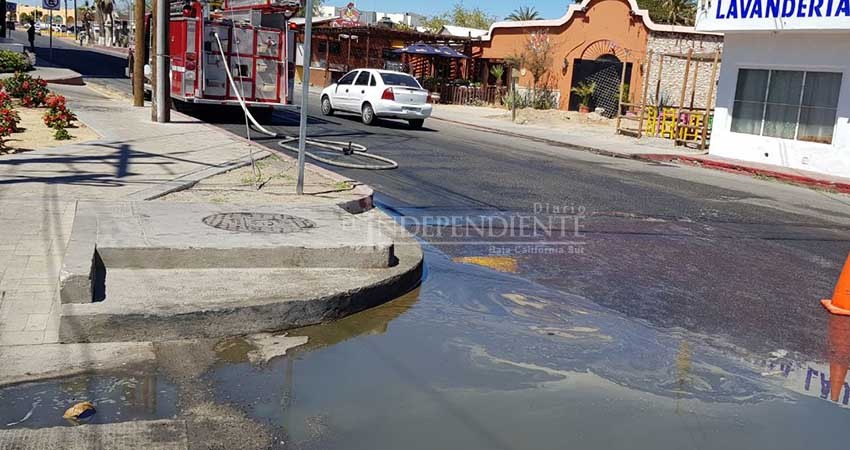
(805, 71)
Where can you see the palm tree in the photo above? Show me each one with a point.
(680, 12)
(523, 13)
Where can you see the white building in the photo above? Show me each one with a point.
(412, 20)
(783, 96)
(452, 30)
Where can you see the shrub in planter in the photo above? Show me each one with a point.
(13, 62)
(5, 100)
(8, 123)
(31, 91)
(58, 116)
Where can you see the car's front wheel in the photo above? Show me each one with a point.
(368, 114)
(327, 108)
(416, 123)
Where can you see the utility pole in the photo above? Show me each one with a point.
(3, 31)
(162, 89)
(76, 26)
(305, 94)
(139, 54)
(153, 60)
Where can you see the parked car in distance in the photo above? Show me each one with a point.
(377, 94)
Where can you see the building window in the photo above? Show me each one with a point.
(786, 104)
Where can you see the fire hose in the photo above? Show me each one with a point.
(346, 148)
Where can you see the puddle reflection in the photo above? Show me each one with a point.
(481, 359)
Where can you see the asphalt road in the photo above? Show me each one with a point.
(739, 260)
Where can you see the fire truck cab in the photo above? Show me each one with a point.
(258, 47)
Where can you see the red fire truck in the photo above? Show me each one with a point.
(258, 46)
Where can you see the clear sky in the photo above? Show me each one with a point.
(549, 9)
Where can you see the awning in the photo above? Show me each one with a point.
(421, 49)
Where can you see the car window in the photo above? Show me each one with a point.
(363, 79)
(348, 78)
(400, 79)
(373, 81)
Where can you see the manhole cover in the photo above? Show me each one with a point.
(244, 222)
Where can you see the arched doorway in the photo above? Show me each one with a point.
(601, 63)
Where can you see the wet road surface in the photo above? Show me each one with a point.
(671, 307)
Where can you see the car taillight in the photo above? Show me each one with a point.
(388, 94)
(190, 65)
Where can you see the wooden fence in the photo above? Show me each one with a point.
(466, 95)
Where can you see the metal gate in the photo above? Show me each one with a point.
(606, 72)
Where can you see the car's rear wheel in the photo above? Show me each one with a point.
(368, 114)
(327, 108)
(416, 123)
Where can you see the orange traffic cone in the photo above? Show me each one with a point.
(839, 354)
(840, 301)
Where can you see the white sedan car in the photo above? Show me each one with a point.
(378, 93)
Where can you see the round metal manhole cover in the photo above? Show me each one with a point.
(244, 222)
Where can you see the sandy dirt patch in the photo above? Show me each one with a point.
(35, 135)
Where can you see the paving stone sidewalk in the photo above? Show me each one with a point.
(39, 190)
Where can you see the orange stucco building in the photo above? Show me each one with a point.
(591, 42)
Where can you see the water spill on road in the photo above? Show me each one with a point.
(476, 358)
(482, 358)
(117, 398)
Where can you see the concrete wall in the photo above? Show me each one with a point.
(824, 51)
(674, 68)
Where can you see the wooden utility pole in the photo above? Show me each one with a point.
(139, 54)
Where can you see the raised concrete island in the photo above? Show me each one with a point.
(159, 270)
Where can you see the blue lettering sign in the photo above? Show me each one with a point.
(733, 10)
(745, 8)
(773, 8)
(756, 11)
(814, 8)
(749, 9)
(788, 8)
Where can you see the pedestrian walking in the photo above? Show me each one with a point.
(31, 35)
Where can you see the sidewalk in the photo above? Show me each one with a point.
(604, 141)
(134, 159)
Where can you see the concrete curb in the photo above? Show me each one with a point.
(799, 180)
(696, 161)
(94, 323)
(541, 140)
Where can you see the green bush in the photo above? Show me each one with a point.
(13, 62)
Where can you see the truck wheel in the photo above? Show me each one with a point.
(327, 108)
(368, 114)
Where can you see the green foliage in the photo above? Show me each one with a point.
(31, 91)
(497, 71)
(584, 91)
(524, 13)
(317, 6)
(25, 18)
(61, 134)
(543, 98)
(13, 62)
(462, 17)
(676, 12)
(624, 92)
